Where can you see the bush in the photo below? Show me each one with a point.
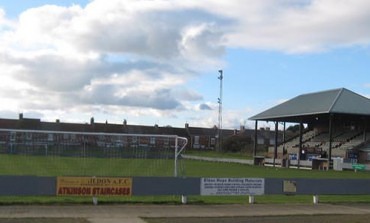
(237, 143)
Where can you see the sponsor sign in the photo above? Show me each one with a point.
(94, 186)
(232, 186)
(289, 186)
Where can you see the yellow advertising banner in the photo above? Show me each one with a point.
(94, 186)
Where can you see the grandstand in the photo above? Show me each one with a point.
(333, 124)
(315, 143)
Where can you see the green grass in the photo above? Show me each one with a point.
(62, 166)
(60, 200)
(224, 154)
(176, 200)
(215, 169)
(214, 154)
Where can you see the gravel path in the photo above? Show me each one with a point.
(133, 213)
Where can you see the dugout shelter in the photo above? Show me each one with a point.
(337, 114)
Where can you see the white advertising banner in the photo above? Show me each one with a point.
(232, 186)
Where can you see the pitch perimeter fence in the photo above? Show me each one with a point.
(132, 186)
(54, 163)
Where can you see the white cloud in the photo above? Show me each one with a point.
(300, 26)
(4, 22)
(137, 56)
(200, 42)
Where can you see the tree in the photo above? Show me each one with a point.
(237, 143)
(293, 128)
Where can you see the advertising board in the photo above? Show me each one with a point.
(94, 186)
(232, 186)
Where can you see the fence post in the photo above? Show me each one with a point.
(315, 199)
(95, 200)
(184, 199)
(251, 199)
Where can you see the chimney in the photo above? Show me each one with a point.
(20, 116)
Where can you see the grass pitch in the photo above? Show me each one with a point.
(20, 165)
(77, 166)
(70, 166)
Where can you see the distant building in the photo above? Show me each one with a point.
(198, 137)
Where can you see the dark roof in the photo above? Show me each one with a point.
(37, 124)
(202, 131)
(307, 106)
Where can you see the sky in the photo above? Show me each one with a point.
(157, 61)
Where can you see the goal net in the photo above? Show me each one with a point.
(56, 153)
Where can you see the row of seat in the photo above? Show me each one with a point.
(319, 141)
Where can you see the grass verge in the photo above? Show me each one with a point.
(176, 200)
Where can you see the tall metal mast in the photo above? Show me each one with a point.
(220, 112)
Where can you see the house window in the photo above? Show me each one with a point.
(368, 156)
(196, 142)
(50, 137)
(12, 136)
(272, 141)
(166, 141)
(213, 141)
(29, 136)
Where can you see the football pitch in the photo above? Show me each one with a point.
(21, 165)
(88, 166)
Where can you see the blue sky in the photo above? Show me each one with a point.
(157, 62)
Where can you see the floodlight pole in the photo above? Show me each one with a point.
(220, 112)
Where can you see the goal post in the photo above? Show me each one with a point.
(178, 151)
(51, 153)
